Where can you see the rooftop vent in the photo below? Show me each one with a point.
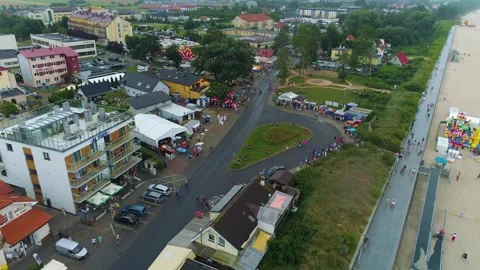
(88, 116)
(56, 109)
(66, 128)
(101, 114)
(76, 120)
(66, 106)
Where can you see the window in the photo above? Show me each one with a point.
(34, 59)
(38, 81)
(148, 86)
(139, 84)
(211, 238)
(28, 157)
(52, 56)
(56, 78)
(42, 57)
(4, 173)
(10, 215)
(221, 241)
(47, 80)
(9, 147)
(46, 156)
(34, 172)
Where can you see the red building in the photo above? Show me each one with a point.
(41, 67)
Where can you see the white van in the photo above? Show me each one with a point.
(71, 249)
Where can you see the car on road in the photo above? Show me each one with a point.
(272, 170)
(127, 219)
(136, 209)
(161, 189)
(152, 196)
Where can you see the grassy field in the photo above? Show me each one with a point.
(159, 26)
(328, 78)
(268, 140)
(337, 197)
(322, 94)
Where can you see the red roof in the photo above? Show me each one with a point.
(279, 25)
(350, 37)
(402, 57)
(254, 17)
(4, 187)
(6, 200)
(24, 225)
(3, 69)
(265, 53)
(69, 52)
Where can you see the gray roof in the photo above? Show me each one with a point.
(11, 93)
(141, 81)
(143, 101)
(8, 54)
(58, 37)
(96, 89)
(173, 76)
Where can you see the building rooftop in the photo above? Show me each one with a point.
(181, 78)
(62, 125)
(67, 51)
(93, 17)
(254, 17)
(8, 54)
(58, 37)
(24, 225)
(144, 101)
(144, 82)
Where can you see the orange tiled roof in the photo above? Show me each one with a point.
(279, 25)
(254, 17)
(4, 187)
(24, 225)
(15, 198)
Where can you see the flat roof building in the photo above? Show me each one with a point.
(62, 154)
(8, 42)
(84, 47)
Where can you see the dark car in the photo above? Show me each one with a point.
(152, 196)
(100, 53)
(136, 209)
(272, 170)
(127, 219)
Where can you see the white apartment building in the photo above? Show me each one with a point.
(63, 154)
(84, 47)
(321, 13)
(8, 42)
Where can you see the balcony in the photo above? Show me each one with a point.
(79, 198)
(88, 176)
(85, 161)
(136, 158)
(125, 138)
(134, 146)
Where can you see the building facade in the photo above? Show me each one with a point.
(87, 147)
(7, 79)
(84, 47)
(8, 58)
(43, 67)
(104, 26)
(259, 21)
(8, 42)
(321, 13)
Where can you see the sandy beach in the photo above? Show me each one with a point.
(458, 203)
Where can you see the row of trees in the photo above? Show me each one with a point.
(142, 46)
(20, 26)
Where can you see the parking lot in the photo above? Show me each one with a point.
(101, 255)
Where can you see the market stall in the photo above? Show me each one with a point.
(111, 189)
(156, 131)
(98, 199)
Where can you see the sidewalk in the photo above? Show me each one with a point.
(386, 227)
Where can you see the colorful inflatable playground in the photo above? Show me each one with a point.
(186, 53)
(462, 131)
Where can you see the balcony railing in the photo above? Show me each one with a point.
(85, 161)
(125, 138)
(134, 146)
(88, 176)
(135, 159)
(79, 198)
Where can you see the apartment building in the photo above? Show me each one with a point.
(41, 67)
(47, 15)
(63, 154)
(104, 26)
(8, 42)
(259, 21)
(84, 47)
(322, 13)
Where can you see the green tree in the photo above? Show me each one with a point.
(366, 46)
(219, 90)
(8, 108)
(142, 46)
(282, 40)
(212, 36)
(189, 24)
(333, 37)
(226, 59)
(173, 55)
(307, 43)
(64, 22)
(283, 61)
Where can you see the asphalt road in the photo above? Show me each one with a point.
(213, 177)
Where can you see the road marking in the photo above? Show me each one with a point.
(149, 203)
(150, 213)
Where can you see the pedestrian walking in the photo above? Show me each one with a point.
(454, 237)
(186, 182)
(478, 177)
(394, 201)
(388, 200)
(118, 239)
(197, 197)
(94, 240)
(100, 239)
(458, 176)
(63, 212)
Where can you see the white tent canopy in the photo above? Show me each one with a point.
(151, 129)
(107, 78)
(289, 96)
(191, 125)
(54, 265)
(442, 145)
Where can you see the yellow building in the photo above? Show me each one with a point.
(186, 84)
(336, 52)
(104, 26)
(249, 32)
(7, 79)
(259, 21)
(56, 14)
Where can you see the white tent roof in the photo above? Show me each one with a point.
(54, 265)
(116, 76)
(176, 110)
(156, 128)
(288, 96)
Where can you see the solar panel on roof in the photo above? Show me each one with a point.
(227, 198)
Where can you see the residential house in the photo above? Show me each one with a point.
(8, 88)
(400, 59)
(94, 91)
(149, 102)
(350, 38)
(137, 84)
(259, 21)
(326, 63)
(267, 53)
(278, 26)
(251, 4)
(336, 52)
(21, 225)
(187, 85)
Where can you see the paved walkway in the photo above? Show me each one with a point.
(386, 228)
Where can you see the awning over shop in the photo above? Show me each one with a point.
(98, 199)
(111, 189)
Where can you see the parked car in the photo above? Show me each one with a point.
(71, 249)
(136, 209)
(161, 189)
(100, 53)
(152, 196)
(272, 170)
(127, 219)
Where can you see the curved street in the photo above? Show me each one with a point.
(213, 176)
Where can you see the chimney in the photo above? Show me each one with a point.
(101, 114)
(66, 106)
(66, 127)
(76, 120)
